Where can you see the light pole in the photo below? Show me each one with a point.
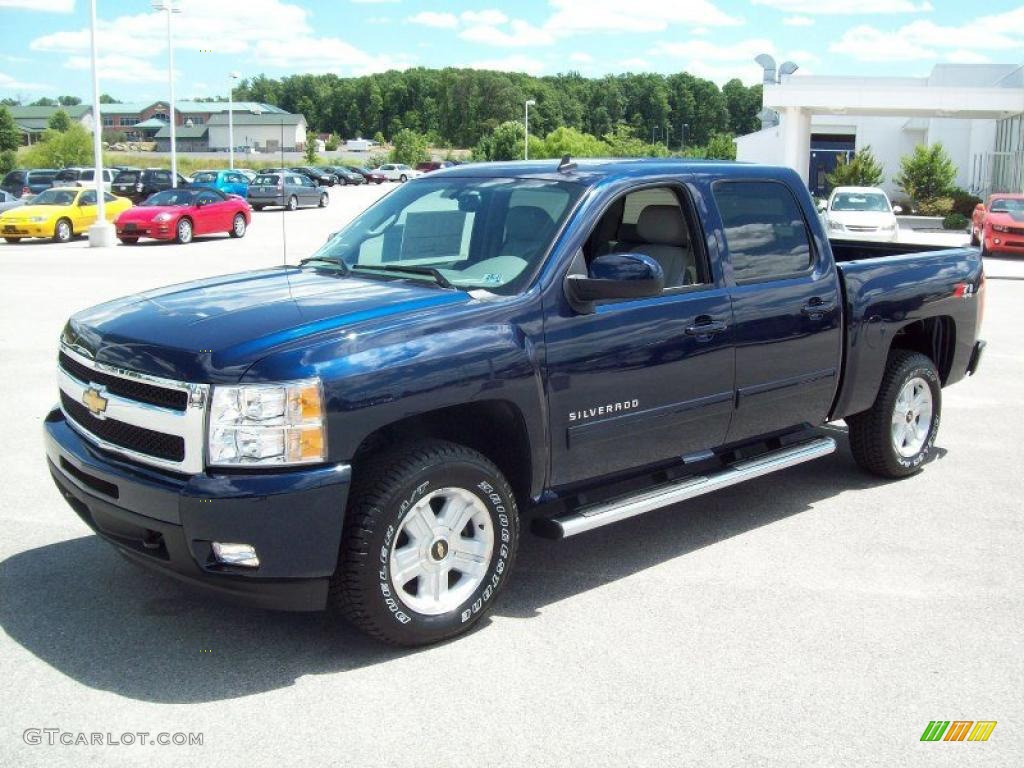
(101, 233)
(231, 120)
(526, 148)
(682, 136)
(170, 8)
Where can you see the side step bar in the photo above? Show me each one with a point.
(603, 513)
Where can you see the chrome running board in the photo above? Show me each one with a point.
(603, 513)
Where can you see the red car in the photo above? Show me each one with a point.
(999, 226)
(181, 214)
(372, 177)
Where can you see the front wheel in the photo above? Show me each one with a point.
(293, 203)
(238, 226)
(896, 435)
(324, 200)
(129, 240)
(429, 541)
(403, 178)
(184, 231)
(62, 232)
(13, 239)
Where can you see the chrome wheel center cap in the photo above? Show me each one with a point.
(910, 416)
(439, 550)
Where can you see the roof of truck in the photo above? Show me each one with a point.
(592, 170)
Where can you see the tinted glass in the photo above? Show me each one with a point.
(126, 177)
(1007, 205)
(764, 229)
(434, 223)
(88, 197)
(265, 180)
(171, 197)
(68, 174)
(53, 197)
(39, 177)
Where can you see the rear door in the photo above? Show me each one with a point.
(785, 305)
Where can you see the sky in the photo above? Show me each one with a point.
(44, 44)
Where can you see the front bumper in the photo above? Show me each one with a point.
(155, 230)
(27, 230)
(168, 522)
(1007, 243)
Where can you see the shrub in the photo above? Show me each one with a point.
(10, 135)
(409, 147)
(8, 161)
(59, 150)
(720, 147)
(379, 138)
(927, 175)
(376, 159)
(936, 206)
(59, 121)
(861, 170)
(955, 221)
(331, 145)
(309, 154)
(963, 201)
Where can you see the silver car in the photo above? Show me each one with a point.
(286, 189)
(8, 201)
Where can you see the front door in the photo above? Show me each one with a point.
(85, 212)
(641, 381)
(786, 309)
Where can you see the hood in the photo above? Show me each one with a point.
(863, 218)
(1008, 218)
(26, 211)
(213, 330)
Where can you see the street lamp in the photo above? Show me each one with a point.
(101, 233)
(231, 121)
(682, 136)
(170, 7)
(526, 152)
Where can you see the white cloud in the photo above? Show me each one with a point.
(573, 17)
(519, 35)
(515, 63)
(325, 54)
(50, 6)
(798, 21)
(971, 41)
(118, 68)
(847, 7)
(10, 84)
(435, 20)
(488, 17)
(722, 63)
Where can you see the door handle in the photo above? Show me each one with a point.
(705, 327)
(816, 308)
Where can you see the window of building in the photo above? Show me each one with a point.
(765, 231)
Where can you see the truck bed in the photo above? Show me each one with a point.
(858, 250)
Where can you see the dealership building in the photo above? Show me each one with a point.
(976, 111)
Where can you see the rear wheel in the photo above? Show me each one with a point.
(257, 207)
(403, 178)
(238, 226)
(13, 239)
(129, 240)
(293, 203)
(184, 231)
(896, 435)
(324, 200)
(62, 233)
(430, 539)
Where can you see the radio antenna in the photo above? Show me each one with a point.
(284, 210)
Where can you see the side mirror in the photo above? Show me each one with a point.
(897, 209)
(979, 208)
(822, 206)
(615, 276)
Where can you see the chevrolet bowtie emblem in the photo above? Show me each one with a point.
(94, 400)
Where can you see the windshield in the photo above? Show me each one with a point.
(125, 177)
(54, 197)
(1007, 205)
(173, 197)
(860, 201)
(467, 232)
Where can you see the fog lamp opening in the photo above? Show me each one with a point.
(243, 555)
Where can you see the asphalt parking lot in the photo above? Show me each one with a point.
(816, 617)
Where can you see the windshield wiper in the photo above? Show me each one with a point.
(429, 271)
(338, 262)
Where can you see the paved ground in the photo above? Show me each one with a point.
(818, 617)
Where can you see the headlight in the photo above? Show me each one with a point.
(37, 219)
(268, 424)
(996, 227)
(162, 217)
(836, 225)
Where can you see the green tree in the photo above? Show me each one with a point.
(60, 149)
(331, 145)
(861, 170)
(69, 101)
(309, 154)
(106, 98)
(44, 102)
(720, 147)
(409, 147)
(8, 160)
(508, 141)
(59, 121)
(7, 101)
(10, 136)
(379, 138)
(927, 175)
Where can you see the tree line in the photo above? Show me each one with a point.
(459, 107)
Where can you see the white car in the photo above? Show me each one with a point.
(861, 213)
(398, 172)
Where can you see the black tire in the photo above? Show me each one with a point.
(13, 239)
(184, 231)
(129, 240)
(293, 203)
(238, 226)
(63, 231)
(403, 178)
(257, 207)
(871, 437)
(382, 494)
(324, 200)
(974, 238)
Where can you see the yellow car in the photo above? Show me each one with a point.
(59, 213)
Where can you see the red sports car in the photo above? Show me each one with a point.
(999, 226)
(181, 214)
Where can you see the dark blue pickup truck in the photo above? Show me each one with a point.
(573, 344)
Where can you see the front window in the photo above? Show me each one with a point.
(1007, 205)
(463, 232)
(860, 201)
(171, 197)
(54, 197)
(205, 178)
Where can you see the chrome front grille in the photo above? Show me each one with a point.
(155, 421)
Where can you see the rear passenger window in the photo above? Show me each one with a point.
(764, 229)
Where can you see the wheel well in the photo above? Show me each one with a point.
(494, 428)
(934, 337)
